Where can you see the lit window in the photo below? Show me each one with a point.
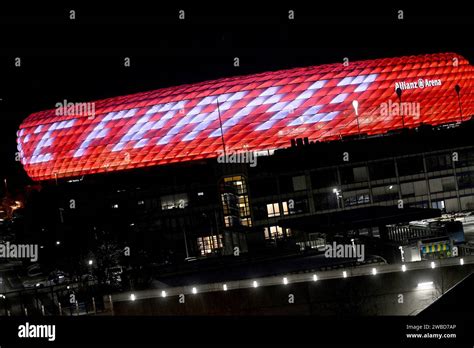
(276, 232)
(228, 221)
(235, 202)
(208, 244)
(273, 209)
(288, 207)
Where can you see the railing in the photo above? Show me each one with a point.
(348, 272)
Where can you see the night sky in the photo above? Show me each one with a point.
(82, 59)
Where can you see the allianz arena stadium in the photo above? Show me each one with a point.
(258, 112)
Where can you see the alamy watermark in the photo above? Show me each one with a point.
(238, 157)
(19, 251)
(346, 251)
(66, 108)
(37, 331)
(391, 109)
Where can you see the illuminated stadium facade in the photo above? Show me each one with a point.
(247, 113)
(405, 124)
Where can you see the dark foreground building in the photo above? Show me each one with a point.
(393, 133)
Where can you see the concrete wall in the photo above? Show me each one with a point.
(363, 295)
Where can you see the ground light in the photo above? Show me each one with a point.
(132, 297)
(344, 274)
(424, 285)
(315, 277)
(433, 264)
(255, 284)
(404, 268)
(461, 262)
(224, 287)
(374, 271)
(195, 291)
(285, 280)
(163, 293)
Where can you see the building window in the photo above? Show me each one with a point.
(410, 165)
(465, 180)
(382, 170)
(235, 201)
(467, 203)
(445, 184)
(286, 211)
(385, 193)
(324, 178)
(178, 201)
(437, 205)
(273, 209)
(356, 198)
(209, 244)
(228, 221)
(276, 232)
(438, 162)
(351, 175)
(327, 200)
(246, 222)
(244, 208)
(299, 183)
(466, 158)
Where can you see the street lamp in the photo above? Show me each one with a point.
(457, 88)
(4, 303)
(402, 253)
(338, 196)
(355, 105)
(220, 125)
(399, 94)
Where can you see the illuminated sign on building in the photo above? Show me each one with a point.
(420, 83)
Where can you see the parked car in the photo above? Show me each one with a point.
(41, 280)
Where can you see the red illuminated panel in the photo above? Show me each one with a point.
(258, 112)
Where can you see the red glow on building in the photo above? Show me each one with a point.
(258, 112)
